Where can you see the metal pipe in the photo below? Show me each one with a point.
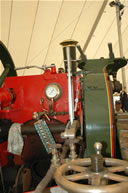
(54, 128)
(44, 182)
(70, 65)
(65, 149)
(72, 44)
(120, 40)
(44, 67)
(70, 87)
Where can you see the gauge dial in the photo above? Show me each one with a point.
(53, 91)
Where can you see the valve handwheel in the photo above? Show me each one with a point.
(93, 175)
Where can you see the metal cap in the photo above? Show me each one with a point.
(98, 148)
(69, 42)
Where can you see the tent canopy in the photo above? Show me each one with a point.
(33, 29)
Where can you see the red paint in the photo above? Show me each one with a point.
(3, 154)
(29, 90)
(5, 97)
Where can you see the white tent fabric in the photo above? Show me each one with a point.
(33, 29)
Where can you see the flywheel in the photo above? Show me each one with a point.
(95, 174)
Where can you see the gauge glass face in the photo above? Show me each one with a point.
(53, 91)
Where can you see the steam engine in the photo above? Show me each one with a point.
(57, 117)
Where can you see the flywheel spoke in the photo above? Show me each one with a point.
(116, 177)
(76, 168)
(95, 179)
(76, 177)
(117, 169)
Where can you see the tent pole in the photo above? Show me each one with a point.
(95, 24)
(118, 15)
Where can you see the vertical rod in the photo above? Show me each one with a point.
(70, 86)
(120, 42)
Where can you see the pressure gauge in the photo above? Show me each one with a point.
(53, 91)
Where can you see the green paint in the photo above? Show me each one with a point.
(96, 104)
